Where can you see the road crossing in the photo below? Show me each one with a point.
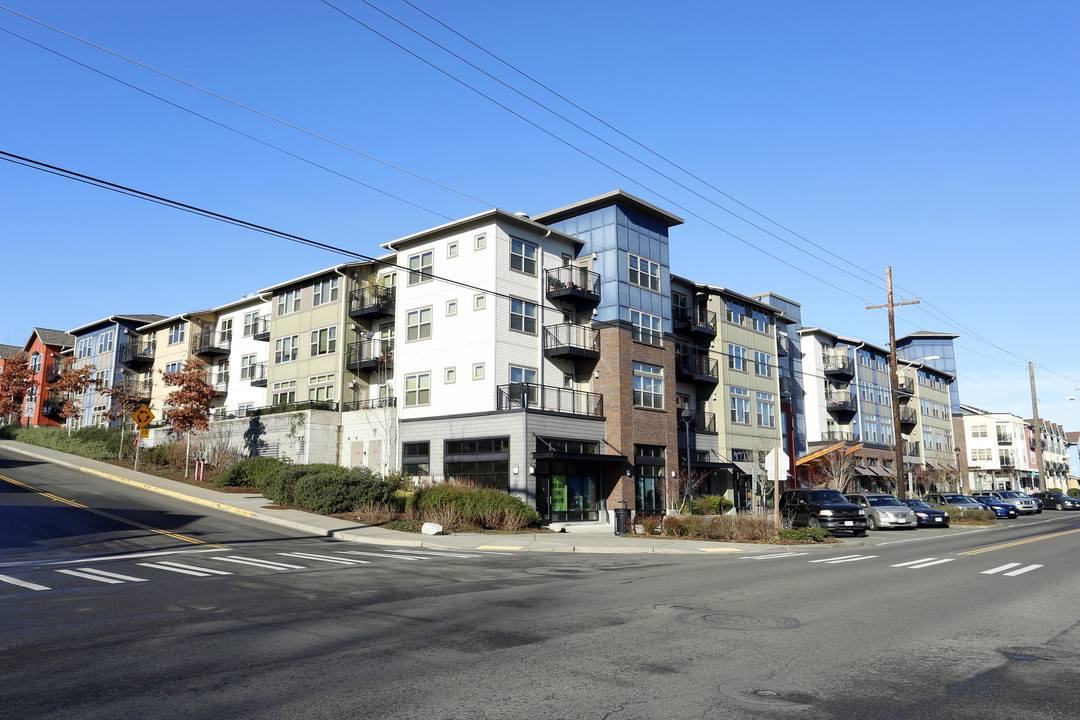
(211, 565)
(1007, 570)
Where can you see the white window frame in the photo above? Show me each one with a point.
(327, 288)
(419, 395)
(176, 333)
(288, 302)
(451, 308)
(648, 386)
(251, 323)
(414, 320)
(520, 313)
(324, 341)
(287, 345)
(648, 328)
(643, 272)
(419, 270)
(452, 250)
(523, 256)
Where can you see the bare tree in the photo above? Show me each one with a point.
(835, 469)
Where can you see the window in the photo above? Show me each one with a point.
(483, 461)
(35, 363)
(480, 242)
(648, 386)
(415, 459)
(680, 301)
(980, 455)
(1005, 457)
(451, 376)
(105, 342)
(740, 406)
(736, 357)
(417, 389)
(324, 341)
(522, 256)
(284, 392)
(451, 307)
(176, 333)
(478, 371)
(251, 323)
(766, 410)
(734, 312)
(321, 388)
(102, 378)
(523, 387)
(452, 250)
(761, 322)
(418, 324)
(286, 349)
(649, 478)
(870, 433)
(479, 302)
(173, 367)
(83, 348)
(887, 436)
(762, 364)
(247, 367)
(421, 267)
(288, 302)
(325, 292)
(647, 328)
(978, 431)
(523, 316)
(644, 273)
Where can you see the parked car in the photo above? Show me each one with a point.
(884, 511)
(1001, 508)
(1038, 500)
(1023, 503)
(1057, 500)
(926, 515)
(824, 508)
(964, 502)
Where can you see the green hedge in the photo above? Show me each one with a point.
(712, 505)
(476, 505)
(97, 443)
(1074, 492)
(249, 472)
(324, 488)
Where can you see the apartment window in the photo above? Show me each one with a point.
(35, 363)
(522, 256)
(284, 392)
(734, 312)
(938, 445)
(761, 322)
(736, 357)
(980, 455)
(680, 302)
(644, 273)
(417, 389)
(451, 307)
(251, 323)
(452, 250)
(649, 478)
(421, 267)
(324, 341)
(479, 302)
(523, 316)
(870, 433)
(286, 349)
(978, 431)
(105, 342)
(418, 324)
(646, 328)
(176, 333)
(887, 436)
(762, 364)
(325, 292)
(102, 378)
(740, 406)
(478, 371)
(864, 359)
(415, 459)
(1005, 457)
(321, 388)
(450, 376)
(288, 302)
(484, 461)
(927, 439)
(173, 368)
(247, 367)
(766, 410)
(480, 242)
(648, 386)
(83, 348)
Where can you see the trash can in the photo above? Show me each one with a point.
(622, 520)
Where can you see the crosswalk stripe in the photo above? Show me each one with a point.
(436, 553)
(195, 568)
(327, 558)
(911, 562)
(932, 562)
(846, 559)
(89, 576)
(22, 583)
(183, 571)
(1023, 570)
(116, 576)
(260, 563)
(769, 557)
(999, 569)
(384, 555)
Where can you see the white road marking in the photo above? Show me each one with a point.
(933, 562)
(267, 564)
(115, 576)
(437, 553)
(999, 569)
(183, 566)
(912, 562)
(845, 558)
(769, 557)
(22, 583)
(384, 555)
(1022, 570)
(89, 576)
(326, 558)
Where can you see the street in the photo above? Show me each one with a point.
(121, 604)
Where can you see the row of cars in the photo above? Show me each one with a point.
(858, 512)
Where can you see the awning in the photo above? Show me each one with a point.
(862, 470)
(580, 457)
(748, 468)
(817, 454)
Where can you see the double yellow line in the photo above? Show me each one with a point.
(72, 503)
(1018, 542)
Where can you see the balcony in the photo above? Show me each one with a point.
(838, 365)
(909, 417)
(52, 404)
(209, 343)
(573, 284)
(574, 342)
(367, 355)
(700, 421)
(372, 302)
(530, 396)
(1004, 438)
(54, 371)
(906, 386)
(140, 389)
(371, 404)
(220, 382)
(911, 448)
(292, 407)
(840, 401)
(256, 374)
(695, 321)
(783, 345)
(135, 354)
(785, 386)
(261, 329)
(835, 436)
(699, 369)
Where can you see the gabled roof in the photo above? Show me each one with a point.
(488, 216)
(615, 197)
(136, 320)
(7, 351)
(51, 338)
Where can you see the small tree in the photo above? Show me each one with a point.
(123, 401)
(73, 381)
(190, 402)
(683, 486)
(14, 381)
(834, 470)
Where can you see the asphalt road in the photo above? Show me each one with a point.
(175, 612)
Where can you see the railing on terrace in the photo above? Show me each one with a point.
(370, 404)
(701, 421)
(836, 436)
(696, 320)
(211, 342)
(532, 396)
(261, 329)
(286, 408)
(372, 301)
(570, 339)
(136, 352)
(571, 282)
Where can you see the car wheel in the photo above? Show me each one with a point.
(871, 522)
(785, 522)
(814, 522)
(858, 533)
(1059, 506)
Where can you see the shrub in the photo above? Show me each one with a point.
(966, 516)
(712, 505)
(649, 524)
(96, 442)
(1074, 492)
(249, 472)
(806, 534)
(1054, 490)
(375, 513)
(323, 488)
(479, 506)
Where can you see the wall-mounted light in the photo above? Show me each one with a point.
(515, 469)
(532, 470)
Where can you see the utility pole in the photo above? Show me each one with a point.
(1040, 484)
(894, 379)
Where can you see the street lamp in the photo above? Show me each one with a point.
(688, 419)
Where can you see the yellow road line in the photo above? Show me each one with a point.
(1018, 542)
(102, 513)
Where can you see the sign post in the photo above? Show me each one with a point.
(142, 417)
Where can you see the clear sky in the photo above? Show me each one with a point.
(936, 137)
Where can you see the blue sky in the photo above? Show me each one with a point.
(936, 137)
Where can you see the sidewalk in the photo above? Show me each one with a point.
(586, 540)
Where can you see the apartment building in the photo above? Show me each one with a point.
(1055, 450)
(45, 351)
(790, 375)
(230, 341)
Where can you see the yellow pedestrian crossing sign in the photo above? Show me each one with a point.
(142, 416)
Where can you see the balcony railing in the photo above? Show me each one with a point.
(372, 302)
(700, 421)
(136, 353)
(785, 386)
(783, 344)
(369, 355)
(370, 404)
(906, 386)
(54, 371)
(220, 381)
(574, 284)
(697, 368)
(909, 416)
(571, 341)
(284, 408)
(210, 342)
(255, 374)
(53, 403)
(835, 436)
(1004, 438)
(261, 329)
(694, 320)
(840, 401)
(911, 447)
(839, 364)
(531, 396)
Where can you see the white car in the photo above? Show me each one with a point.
(884, 511)
(1023, 502)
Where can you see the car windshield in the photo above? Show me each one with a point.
(879, 500)
(1012, 494)
(957, 499)
(916, 504)
(825, 496)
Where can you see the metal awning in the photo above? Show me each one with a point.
(579, 457)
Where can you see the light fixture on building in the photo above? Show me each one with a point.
(515, 469)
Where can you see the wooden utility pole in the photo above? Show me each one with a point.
(1041, 483)
(894, 380)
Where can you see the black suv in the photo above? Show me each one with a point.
(822, 508)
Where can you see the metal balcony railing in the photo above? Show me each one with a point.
(841, 364)
(374, 301)
(369, 355)
(694, 320)
(909, 416)
(783, 344)
(370, 404)
(911, 447)
(573, 341)
(261, 329)
(137, 353)
(255, 374)
(840, 401)
(906, 386)
(211, 342)
(573, 283)
(697, 368)
(531, 396)
(700, 421)
(835, 436)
